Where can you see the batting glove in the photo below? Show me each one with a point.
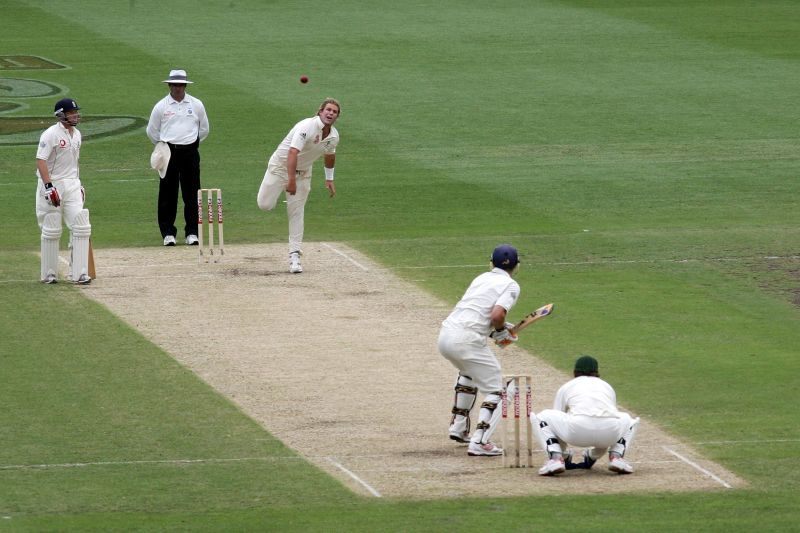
(51, 195)
(504, 337)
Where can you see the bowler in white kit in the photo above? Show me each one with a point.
(289, 171)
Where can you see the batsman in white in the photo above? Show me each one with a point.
(463, 340)
(584, 414)
(289, 170)
(59, 195)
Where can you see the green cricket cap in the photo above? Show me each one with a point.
(586, 363)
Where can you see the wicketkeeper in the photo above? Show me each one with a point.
(60, 195)
(463, 340)
(584, 414)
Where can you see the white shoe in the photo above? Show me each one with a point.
(619, 465)
(460, 436)
(294, 263)
(489, 449)
(191, 240)
(169, 240)
(83, 280)
(552, 467)
(50, 279)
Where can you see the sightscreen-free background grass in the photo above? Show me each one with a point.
(643, 156)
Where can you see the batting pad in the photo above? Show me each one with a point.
(494, 419)
(51, 235)
(81, 230)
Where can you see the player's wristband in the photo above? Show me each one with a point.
(328, 174)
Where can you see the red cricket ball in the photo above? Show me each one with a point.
(303, 79)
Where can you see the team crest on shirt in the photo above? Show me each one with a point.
(62, 143)
(189, 112)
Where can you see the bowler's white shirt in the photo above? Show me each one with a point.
(587, 395)
(61, 151)
(305, 136)
(178, 122)
(474, 310)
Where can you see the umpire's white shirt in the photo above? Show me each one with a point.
(178, 122)
(61, 151)
(305, 136)
(474, 310)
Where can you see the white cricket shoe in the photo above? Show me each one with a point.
(50, 279)
(552, 467)
(619, 465)
(294, 263)
(489, 449)
(169, 240)
(191, 240)
(460, 436)
(83, 280)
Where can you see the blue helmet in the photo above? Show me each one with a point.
(64, 106)
(505, 257)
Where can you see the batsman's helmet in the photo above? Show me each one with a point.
(64, 106)
(505, 257)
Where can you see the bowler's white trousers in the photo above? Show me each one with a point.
(273, 184)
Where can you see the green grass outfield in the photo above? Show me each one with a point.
(643, 156)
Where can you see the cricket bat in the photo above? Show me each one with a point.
(542, 312)
(92, 273)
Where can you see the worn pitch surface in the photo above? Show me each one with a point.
(340, 363)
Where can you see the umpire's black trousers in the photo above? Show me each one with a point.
(183, 171)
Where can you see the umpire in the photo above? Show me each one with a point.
(180, 121)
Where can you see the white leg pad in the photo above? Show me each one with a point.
(51, 235)
(81, 231)
(488, 418)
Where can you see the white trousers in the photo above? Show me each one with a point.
(71, 201)
(273, 184)
(468, 351)
(585, 431)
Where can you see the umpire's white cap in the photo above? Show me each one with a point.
(177, 77)
(159, 159)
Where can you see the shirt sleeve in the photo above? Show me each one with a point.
(45, 147)
(154, 125)
(302, 134)
(330, 146)
(509, 296)
(203, 127)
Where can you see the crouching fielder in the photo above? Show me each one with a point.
(60, 196)
(584, 414)
(479, 315)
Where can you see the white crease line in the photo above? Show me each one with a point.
(699, 468)
(352, 475)
(356, 263)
